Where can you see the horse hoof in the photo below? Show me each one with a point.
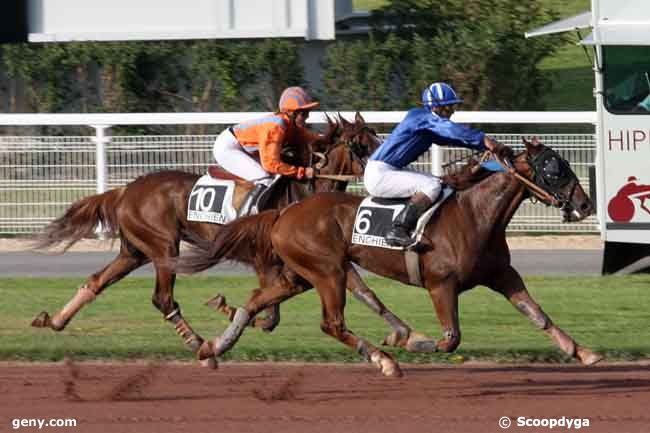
(390, 339)
(388, 366)
(42, 320)
(395, 339)
(392, 371)
(206, 351)
(587, 357)
(418, 343)
(210, 363)
(216, 302)
(268, 329)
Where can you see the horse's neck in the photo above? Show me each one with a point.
(293, 191)
(340, 164)
(492, 203)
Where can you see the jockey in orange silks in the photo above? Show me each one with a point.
(252, 149)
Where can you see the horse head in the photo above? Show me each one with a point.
(361, 139)
(559, 185)
(350, 150)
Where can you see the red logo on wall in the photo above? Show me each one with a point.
(621, 207)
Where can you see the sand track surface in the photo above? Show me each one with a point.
(274, 397)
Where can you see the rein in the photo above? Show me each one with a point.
(339, 177)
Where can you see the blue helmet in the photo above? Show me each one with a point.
(439, 94)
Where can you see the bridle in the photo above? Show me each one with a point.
(554, 174)
(550, 174)
(355, 149)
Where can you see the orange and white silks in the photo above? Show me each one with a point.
(268, 135)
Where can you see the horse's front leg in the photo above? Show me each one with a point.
(402, 334)
(510, 284)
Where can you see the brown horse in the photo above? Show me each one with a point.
(149, 216)
(309, 245)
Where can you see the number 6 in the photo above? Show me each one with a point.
(363, 221)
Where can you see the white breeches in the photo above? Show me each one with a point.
(232, 156)
(384, 180)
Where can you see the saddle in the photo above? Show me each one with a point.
(217, 172)
(217, 196)
(375, 218)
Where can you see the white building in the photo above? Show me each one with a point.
(621, 46)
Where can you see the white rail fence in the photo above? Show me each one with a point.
(40, 176)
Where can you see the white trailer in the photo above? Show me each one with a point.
(620, 40)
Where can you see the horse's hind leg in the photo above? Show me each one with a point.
(280, 287)
(444, 296)
(510, 284)
(267, 323)
(123, 264)
(402, 335)
(323, 263)
(332, 296)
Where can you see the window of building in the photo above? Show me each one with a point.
(627, 79)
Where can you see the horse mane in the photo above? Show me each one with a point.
(468, 175)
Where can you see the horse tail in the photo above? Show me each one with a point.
(245, 240)
(81, 221)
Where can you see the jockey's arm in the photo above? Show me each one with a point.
(270, 147)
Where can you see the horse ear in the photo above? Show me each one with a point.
(323, 143)
(344, 121)
(531, 146)
(332, 128)
(359, 120)
(331, 123)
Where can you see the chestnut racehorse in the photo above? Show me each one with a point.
(149, 216)
(309, 245)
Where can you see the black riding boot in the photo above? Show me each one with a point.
(249, 206)
(400, 233)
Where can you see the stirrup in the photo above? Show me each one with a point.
(399, 236)
(249, 206)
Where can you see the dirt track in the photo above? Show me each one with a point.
(263, 397)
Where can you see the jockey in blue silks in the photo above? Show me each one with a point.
(386, 175)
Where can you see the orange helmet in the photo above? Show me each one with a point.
(296, 98)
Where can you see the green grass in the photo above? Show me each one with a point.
(569, 69)
(608, 314)
(368, 5)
